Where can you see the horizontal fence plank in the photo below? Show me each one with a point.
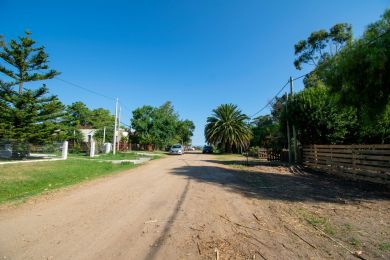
(354, 146)
(354, 151)
(345, 163)
(363, 162)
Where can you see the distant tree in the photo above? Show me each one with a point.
(277, 107)
(228, 127)
(185, 131)
(78, 114)
(142, 123)
(165, 121)
(100, 118)
(160, 126)
(266, 133)
(24, 62)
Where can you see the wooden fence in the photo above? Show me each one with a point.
(361, 162)
(269, 155)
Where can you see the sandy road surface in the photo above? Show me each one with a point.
(183, 207)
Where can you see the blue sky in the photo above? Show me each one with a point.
(197, 54)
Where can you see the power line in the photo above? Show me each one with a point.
(301, 76)
(125, 107)
(269, 102)
(91, 91)
(84, 88)
(125, 124)
(376, 38)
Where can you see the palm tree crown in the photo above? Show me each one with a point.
(228, 127)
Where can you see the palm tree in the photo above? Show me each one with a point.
(228, 128)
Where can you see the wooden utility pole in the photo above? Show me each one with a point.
(293, 127)
(104, 135)
(288, 133)
(119, 125)
(115, 126)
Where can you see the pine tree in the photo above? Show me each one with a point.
(32, 116)
(24, 62)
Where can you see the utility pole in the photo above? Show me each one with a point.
(115, 126)
(293, 126)
(119, 125)
(288, 133)
(104, 135)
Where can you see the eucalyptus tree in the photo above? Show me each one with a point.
(319, 48)
(228, 127)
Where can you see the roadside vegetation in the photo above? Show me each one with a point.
(159, 127)
(345, 100)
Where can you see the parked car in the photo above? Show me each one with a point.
(207, 149)
(190, 148)
(177, 149)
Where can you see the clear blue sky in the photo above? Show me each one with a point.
(197, 54)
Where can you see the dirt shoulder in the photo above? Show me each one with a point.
(188, 207)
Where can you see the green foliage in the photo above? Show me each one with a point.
(79, 115)
(360, 73)
(322, 45)
(32, 116)
(185, 131)
(350, 102)
(160, 126)
(266, 133)
(24, 62)
(228, 128)
(319, 119)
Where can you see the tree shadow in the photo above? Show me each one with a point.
(292, 187)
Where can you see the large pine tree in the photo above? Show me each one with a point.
(24, 62)
(29, 115)
(32, 116)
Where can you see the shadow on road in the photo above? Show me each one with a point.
(283, 186)
(164, 234)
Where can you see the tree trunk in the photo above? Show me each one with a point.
(20, 88)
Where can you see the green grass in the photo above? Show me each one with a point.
(385, 246)
(20, 181)
(355, 242)
(117, 156)
(318, 221)
(110, 156)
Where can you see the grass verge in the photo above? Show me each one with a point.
(385, 246)
(20, 181)
(318, 221)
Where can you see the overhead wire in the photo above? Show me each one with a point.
(270, 101)
(84, 88)
(94, 92)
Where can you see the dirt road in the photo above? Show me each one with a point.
(187, 207)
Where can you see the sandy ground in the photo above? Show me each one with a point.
(190, 206)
